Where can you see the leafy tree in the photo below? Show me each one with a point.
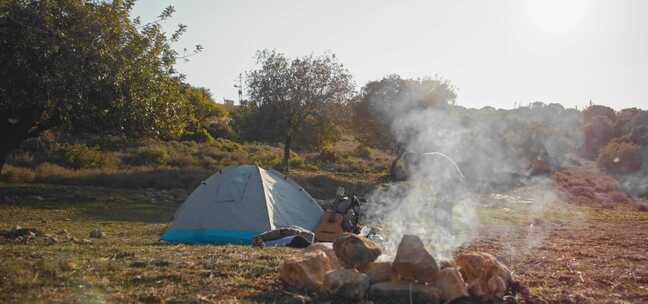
(86, 66)
(381, 102)
(288, 94)
(203, 112)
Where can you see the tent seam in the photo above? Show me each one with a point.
(265, 197)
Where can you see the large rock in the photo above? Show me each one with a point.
(451, 284)
(355, 251)
(485, 275)
(403, 292)
(306, 271)
(327, 248)
(347, 284)
(379, 272)
(413, 262)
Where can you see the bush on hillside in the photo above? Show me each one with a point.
(598, 132)
(13, 174)
(327, 154)
(80, 156)
(148, 156)
(201, 136)
(620, 156)
(296, 161)
(598, 110)
(226, 145)
(639, 135)
(362, 151)
(222, 129)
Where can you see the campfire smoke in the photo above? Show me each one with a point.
(441, 206)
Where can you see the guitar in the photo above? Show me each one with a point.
(330, 227)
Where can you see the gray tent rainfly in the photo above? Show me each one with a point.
(236, 204)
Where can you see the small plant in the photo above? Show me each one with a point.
(266, 159)
(13, 174)
(362, 151)
(620, 156)
(148, 156)
(296, 161)
(46, 170)
(200, 136)
(227, 145)
(327, 154)
(80, 156)
(181, 160)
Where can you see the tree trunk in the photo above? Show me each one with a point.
(4, 153)
(286, 155)
(13, 133)
(393, 170)
(6, 149)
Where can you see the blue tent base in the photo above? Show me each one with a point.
(208, 236)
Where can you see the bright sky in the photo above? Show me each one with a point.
(495, 52)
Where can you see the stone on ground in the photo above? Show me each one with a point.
(413, 262)
(451, 284)
(348, 284)
(379, 272)
(403, 292)
(485, 275)
(327, 248)
(355, 251)
(306, 271)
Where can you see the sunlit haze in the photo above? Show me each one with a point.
(496, 53)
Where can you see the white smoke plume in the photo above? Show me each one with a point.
(491, 147)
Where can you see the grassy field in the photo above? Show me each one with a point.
(599, 258)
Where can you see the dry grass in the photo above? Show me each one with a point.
(587, 185)
(602, 259)
(130, 264)
(175, 164)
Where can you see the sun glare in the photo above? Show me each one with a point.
(557, 16)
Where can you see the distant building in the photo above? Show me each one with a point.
(229, 102)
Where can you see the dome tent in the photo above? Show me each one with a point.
(236, 204)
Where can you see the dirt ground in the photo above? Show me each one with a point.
(586, 255)
(602, 260)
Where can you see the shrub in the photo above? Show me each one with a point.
(109, 142)
(227, 145)
(351, 165)
(327, 154)
(200, 136)
(362, 151)
(266, 159)
(13, 174)
(148, 156)
(639, 135)
(598, 132)
(222, 130)
(181, 160)
(21, 158)
(296, 161)
(80, 156)
(598, 110)
(620, 156)
(45, 170)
